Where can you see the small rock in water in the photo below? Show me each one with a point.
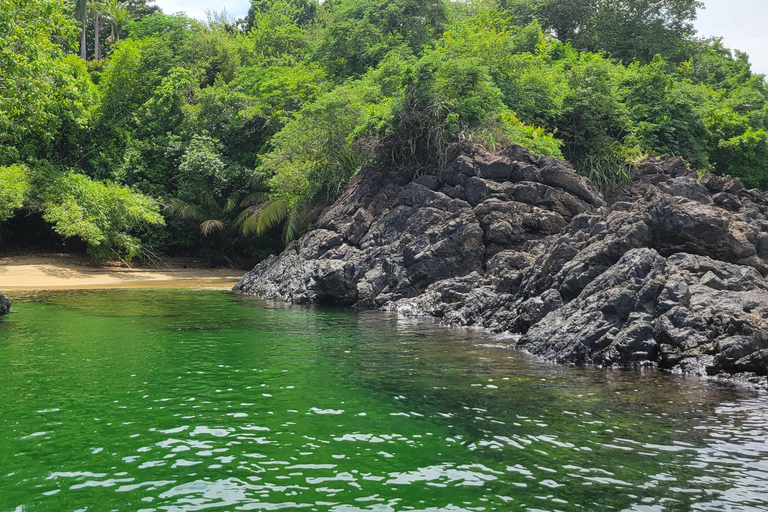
(5, 305)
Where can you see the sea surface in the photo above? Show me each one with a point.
(184, 400)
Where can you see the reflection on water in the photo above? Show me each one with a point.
(198, 400)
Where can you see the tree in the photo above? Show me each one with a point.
(140, 8)
(314, 156)
(358, 34)
(117, 14)
(96, 42)
(102, 214)
(14, 189)
(44, 94)
(99, 37)
(627, 29)
(81, 15)
(275, 33)
(304, 11)
(258, 214)
(43, 113)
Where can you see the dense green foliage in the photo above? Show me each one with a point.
(45, 114)
(245, 129)
(14, 187)
(100, 213)
(628, 30)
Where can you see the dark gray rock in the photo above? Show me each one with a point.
(666, 271)
(5, 305)
(611, 319)
(687, 187)
(382, 242)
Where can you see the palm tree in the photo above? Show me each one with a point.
(210, 216)
(117, 14)
(260, 218)
(81, 15)
(259, 215)
(96, 42)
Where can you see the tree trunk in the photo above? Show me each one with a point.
(96, 45)
(83, 46)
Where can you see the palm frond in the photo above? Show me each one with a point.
(254, 198)
(258, 180)
(230, 203)
(260, 219)
(211, 226)
(294, 228)
(243, 215)
(248, 220)
(81, 9)
(272, 214)
(186, 211)
(210, 203)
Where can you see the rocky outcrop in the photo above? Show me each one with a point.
(390, 237)
(668, 270)
(5, 305)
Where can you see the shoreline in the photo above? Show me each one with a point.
(43, 272)
(666, 270)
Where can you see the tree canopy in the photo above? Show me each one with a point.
(226, 137)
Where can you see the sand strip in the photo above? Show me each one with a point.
(60, 272)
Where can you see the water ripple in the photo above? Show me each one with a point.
(214, 402)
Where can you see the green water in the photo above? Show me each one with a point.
(202, 400)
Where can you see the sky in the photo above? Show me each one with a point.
(741, 23)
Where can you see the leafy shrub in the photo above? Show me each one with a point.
(203, 172)
(315, 155)
(518, 59)
(595, 127)
(275, 34)
(669, 116)
(14, 188)
(744, 157)
(358, 34)
(102, 214)
(448, 102)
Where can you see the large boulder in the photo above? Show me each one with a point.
(668, 270)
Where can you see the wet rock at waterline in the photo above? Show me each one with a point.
(5, 305)
(668, 270)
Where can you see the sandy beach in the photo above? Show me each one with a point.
(63, 271)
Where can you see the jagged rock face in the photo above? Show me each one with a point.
(5, 305)
(668, 270)
(391, 237)
(686, 311)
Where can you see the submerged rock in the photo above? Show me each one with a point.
(668, 270)
(5, 305)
